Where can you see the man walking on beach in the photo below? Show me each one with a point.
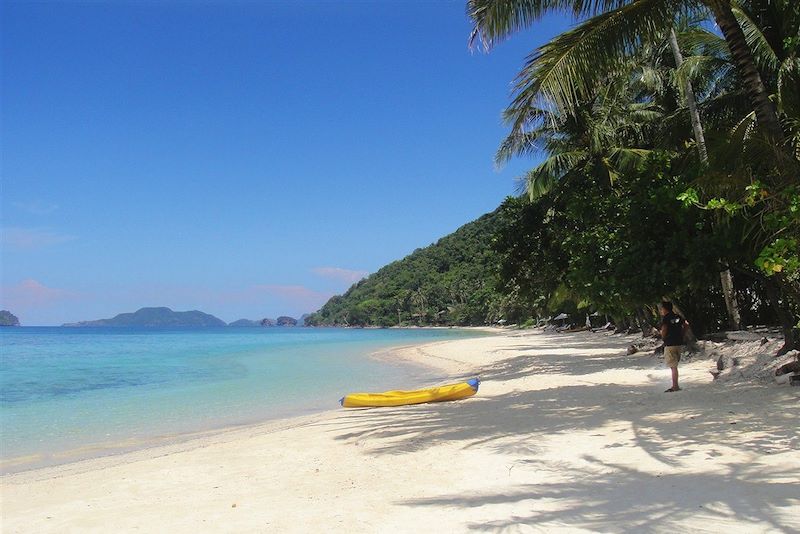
(673, 328)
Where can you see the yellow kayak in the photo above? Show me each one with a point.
(449, 392)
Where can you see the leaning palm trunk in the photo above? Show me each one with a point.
(726, 278)
(694, 114)
(742, 56)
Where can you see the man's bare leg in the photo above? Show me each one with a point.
(674, 380)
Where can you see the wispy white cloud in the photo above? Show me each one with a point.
(31, 238)
(31, 293)
(36, 207)
(295, 297)
(347, 276)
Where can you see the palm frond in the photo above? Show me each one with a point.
(494, 20)
(523, 144)
(702, 69)
(542, 179)
(568, 69)
(628, 159)
(651, 79)
(762, 52)
(701, 41)
(643, 114)
(743, 130)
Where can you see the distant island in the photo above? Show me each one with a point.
(280, 321)
(156, 317)
(249, 322)
(246, 322)
(8, 319)
(165, 317)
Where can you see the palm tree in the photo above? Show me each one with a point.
(771, 31)
(604, 136)
(725, 276)
(567, 69)
(559, 92)
(691, 103)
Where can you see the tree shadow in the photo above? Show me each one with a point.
(533, 364)
(663, 429)
(666, 427)
(566, 343)
(610, 497)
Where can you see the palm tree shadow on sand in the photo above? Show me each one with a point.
(621, 499)
(511, 423)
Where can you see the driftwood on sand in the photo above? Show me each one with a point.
(791, 367)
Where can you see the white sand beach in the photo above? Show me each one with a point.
(566, 433)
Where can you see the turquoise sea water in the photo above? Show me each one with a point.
(70, 393)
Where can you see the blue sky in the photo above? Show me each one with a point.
(248, 159)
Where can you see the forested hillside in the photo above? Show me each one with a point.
(452, 281)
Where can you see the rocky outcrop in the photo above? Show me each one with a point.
(280, 321)
(245, 322)
(283, 320)
(8, 319)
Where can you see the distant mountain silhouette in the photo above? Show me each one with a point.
(155, 317)
(245, 322)
(8, 319)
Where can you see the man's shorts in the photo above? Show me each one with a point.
(672, 355)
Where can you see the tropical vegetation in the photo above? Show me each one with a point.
(669, 138)
(666, 142)
(451, 282)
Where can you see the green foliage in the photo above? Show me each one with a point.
(452, 282)
(606, 108)
(777, 215)
(638, 193)
(779, 256)
(582, 249)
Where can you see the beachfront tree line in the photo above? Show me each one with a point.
(669, 133)
(668, 140)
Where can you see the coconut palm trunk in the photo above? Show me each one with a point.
(734, 317)
(691, 103)
(725, 276)
(766, 114)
